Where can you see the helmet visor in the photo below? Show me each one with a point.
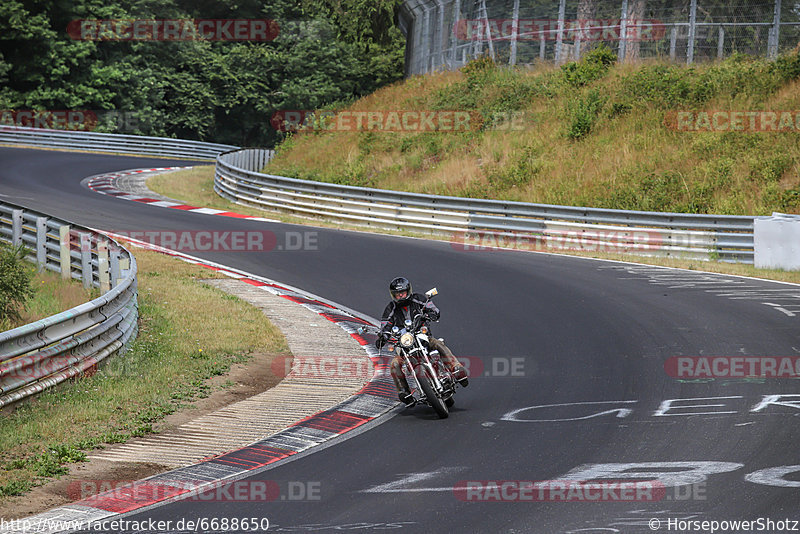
(401, 294)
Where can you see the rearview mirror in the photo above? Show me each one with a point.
(432, 292)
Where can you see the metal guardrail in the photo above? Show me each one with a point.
(476, 224)
(41, 354)
(123, 144)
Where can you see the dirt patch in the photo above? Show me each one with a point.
(242, 381)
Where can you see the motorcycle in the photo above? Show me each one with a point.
(437, 385)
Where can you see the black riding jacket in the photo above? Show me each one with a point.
(395, 314)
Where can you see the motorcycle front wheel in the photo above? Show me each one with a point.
(436, 403)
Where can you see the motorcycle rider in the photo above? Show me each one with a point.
(405, 304)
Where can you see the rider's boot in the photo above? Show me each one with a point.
(461, 375)
(403, 391)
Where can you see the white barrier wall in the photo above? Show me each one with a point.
(777, 242)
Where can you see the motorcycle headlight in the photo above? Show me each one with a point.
(407, 339)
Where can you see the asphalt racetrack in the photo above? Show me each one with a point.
(569, 382)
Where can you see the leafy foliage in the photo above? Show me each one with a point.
(326, 51)
(15, 281)
(584, 113)
(591, 67)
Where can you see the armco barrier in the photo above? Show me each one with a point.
(102, 142)
(46, 352)
(477, 223)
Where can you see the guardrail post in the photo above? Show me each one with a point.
(41, 241)
(115, 269)
(124, 266)
(86, 260)
(16, 227)
(66, 263)
(102, 265)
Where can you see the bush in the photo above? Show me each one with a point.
(788, 66)
(591, 67)
(15, 281)
(584, 114)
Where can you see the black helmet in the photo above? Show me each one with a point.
(400, 290)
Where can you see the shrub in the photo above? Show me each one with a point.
(584, 114)
(15, 281)
(591, 67)
(788, 66)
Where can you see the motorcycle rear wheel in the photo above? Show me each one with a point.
(436, 403)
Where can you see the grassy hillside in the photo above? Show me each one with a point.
(595, 134)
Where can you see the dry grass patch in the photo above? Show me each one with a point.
(189, 333)
(53, 295)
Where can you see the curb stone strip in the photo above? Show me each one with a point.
(106, 184)
(375, 398)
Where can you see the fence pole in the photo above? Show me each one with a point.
(541, 45)
(454, 34)
(772, 48)
(623, 32)
(692, 28)
(512, 57)
(673, 41)
(562, 8)
(439, 36)
(720, 42)
(427, 39)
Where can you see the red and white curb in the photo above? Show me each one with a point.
(105, 185)
(376, 398)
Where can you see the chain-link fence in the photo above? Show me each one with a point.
(446, 34)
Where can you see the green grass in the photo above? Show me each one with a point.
(189, 332)
(594, 134)
(52, 295)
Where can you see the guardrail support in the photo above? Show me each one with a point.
(102, 265)
(63, 238)
(86, 260)
(115, 269)
(41, 241)
(124, 266)
(16, 227)
(65, 345)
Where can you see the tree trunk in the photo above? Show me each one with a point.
(587, 10)
(636, 10)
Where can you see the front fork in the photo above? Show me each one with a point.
(424, 362)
